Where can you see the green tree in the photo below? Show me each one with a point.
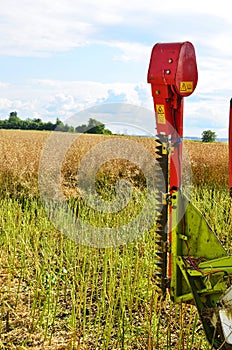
(93, 127)
(208, 136)
(13, 116)
(14, 122)
(96, 127)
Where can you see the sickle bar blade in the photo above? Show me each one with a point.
(162, 217)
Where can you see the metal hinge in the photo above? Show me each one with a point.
(166, 198)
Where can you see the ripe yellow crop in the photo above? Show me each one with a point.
(209, 163)
(20, 153)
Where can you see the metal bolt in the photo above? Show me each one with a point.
(170, 60)
(157, 92)
(168, 71)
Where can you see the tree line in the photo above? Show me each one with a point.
(93, 126)
(14, 122)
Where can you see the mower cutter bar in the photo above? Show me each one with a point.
(191, 262)
(161, 279)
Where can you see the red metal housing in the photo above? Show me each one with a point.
(173, 74)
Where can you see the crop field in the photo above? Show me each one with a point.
(59, 293)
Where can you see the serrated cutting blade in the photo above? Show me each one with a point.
(162, 216)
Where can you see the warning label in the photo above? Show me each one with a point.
(160, 112)
(186, 86)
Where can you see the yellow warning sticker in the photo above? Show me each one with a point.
(186, 86)
(160, 112)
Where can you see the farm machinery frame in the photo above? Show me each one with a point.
(192, 264)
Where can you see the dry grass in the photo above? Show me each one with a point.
(209, 163)
(55, 294)
(20, 154)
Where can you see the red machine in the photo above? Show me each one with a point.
(191, 262)
(173, 75)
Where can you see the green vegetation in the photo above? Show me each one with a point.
(14, 122)
(208, 136)
(56, 294)
(93, 127)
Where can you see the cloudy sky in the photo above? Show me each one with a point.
(60, 58)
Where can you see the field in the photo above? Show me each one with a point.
(57, 293)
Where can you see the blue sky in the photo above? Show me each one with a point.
(58, 59)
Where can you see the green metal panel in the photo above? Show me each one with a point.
(202, 241)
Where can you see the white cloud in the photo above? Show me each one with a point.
(90, 92)
(36, 29)
(3, 85)
(41, 27)
(8, 105)
(130, 51)
(206, 113)
(52, 98)
(215, 75)
(49, 99)
(5, 104)
(63, 99)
